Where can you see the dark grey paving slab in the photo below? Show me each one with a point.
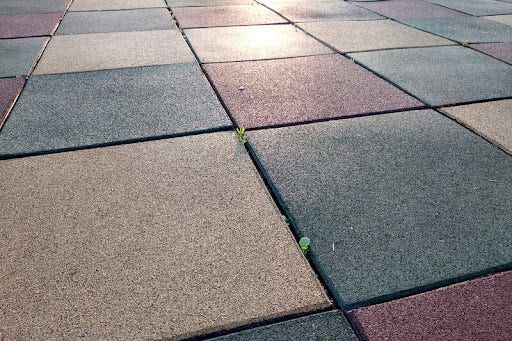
(501, 51)
(442, 75)
(73, 110)
(398, 9)
(28, 25)
(147, 241)
(10, 88)
(204, 3)
(150, 19)
(392, 202)
(109, 5)
(477, 7)
(502, 19)
(18, 56)
(324, 326)
(33, 6)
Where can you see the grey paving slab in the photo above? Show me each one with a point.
(501, 51)
(392, 202)
(502, 19)
(18, 56)
(397, 9)
(10, 89)
(108, 5)
(28, 25)
(324, 326)
(223, 44)
(73, 110)
(477, 7)
(493, 120)
(325, 10)
(233, 15)
(350, 36)
(101, 51)
(442, 75)
(204, 3)
(33, 6)
(151, 19)
(145, 241)
(464, 29)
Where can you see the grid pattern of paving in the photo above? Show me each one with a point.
(130, 209)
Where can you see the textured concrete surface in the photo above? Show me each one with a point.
(28, 25)
(350, 36)
(392, 202)
(18, 56)
(100, 51)
(71, 110)
(151, 19)
(302, 89)
(475, 310)
(317, 11)
(204, 3)
(493, 120)
(145, 241)
(33, 6)
(502, 19)
(10, 88)
(234, 15)
(501, 51)
(442, 75)
(108, 5)
(324, 326)
(398, 9)
(223, 44)
(477, 7)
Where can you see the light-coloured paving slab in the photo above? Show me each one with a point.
(223, 44)
(149, 19)
(493, 120)
(399, 9)
(157, 240)
(100, 51)
(502, 19)
(33, 6)
(476, 7)
(108, 5)
(18, 56)
(351, 36)
(204, 3)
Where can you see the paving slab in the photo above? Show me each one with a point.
(234, 15)
(398, 9)
(10, 88)
(324, 326)
(28, 25)
(204, 3)
(151, 19)
(224, 44)
(493, 120)
(325, 10)
(391, 202)
(502, 19)
(19, 55)
(145, 241)
(101, 51)
(464, 29)
(442, 75)
(284, 91)
(109, 5)
(477, 7)
(113, 106)
(474, 310)
(350, 36)
(501, 51)
(33, 6)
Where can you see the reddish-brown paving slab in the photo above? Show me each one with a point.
(501, 51)
(28, 25)
(479, 309)
(277, 92)
(236, 15)
(10, 88)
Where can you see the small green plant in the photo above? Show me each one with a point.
(464, 43)
(242, 136)
(304, 245)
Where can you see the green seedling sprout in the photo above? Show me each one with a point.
(464, 43)
(304, 245)
(242, 136)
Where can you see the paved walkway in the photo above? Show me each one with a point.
(130, 209)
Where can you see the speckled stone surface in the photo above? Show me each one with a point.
(223, 44)
(145, 241)
(326, 10)
(204, 3)
(108, 5)
(493, 120)
(33, 6)
(150, 19)
(234, 15)
(501, 51)
(442, 75)
(18, 56)
(398, 9)
(111, 106)
(477, 7)
(324, 326)
(392, 202)
(474, 310)
(100, 51)
(28, 25)
(350, 36)
(10, 88)
(302, 89)
(502, 19)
